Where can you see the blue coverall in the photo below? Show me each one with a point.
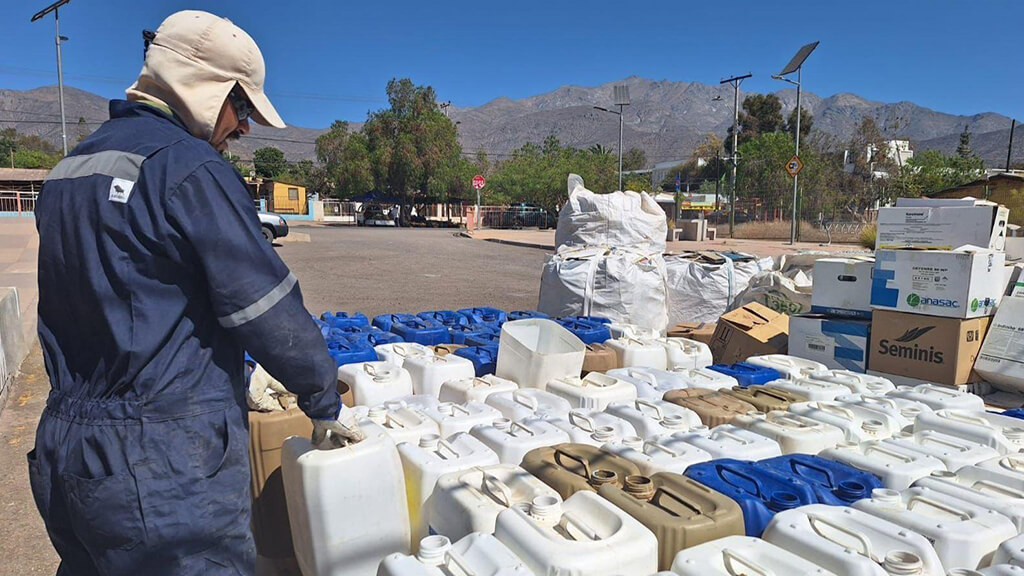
(153, 277)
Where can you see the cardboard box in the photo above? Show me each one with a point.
(942, 224)
(699, 331)
(842, 286)
(955, 284)
(1001, 362)
(749, 330)
(930, 348)
(839, 343)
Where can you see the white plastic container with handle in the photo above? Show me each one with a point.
(595, 428)
(743, 556)
(402, 423)
(595, 391)
(954, 452)
(397, 352)
(650, 383)
(706, 378)
(972, 484)
(475, 389)
(685, 353)
(529, 403)
(584, 536)
(853, 543)
(455, 418)
(857, 382)
(813, 389)
(1011, 552)
(896, 466)
(470, 500)
(634, 352)
(428, 373)
(789, 366)
(476, 554)
(652, 418)
(660, 455)
(535, 351)
(903, 412)
(365, 481)
(1004, 433)
(373, 383)
(857, 423)
(939, 397)
(729, 441)
(795, 434)
(512, 440)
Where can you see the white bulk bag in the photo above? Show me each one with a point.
(627, 286)
(617, 219)
(700, 290)
(788, 293)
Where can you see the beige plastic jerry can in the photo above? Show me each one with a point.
(599, 358)
(680, 511)
(570, 468)
(714, 409)
(765, 398)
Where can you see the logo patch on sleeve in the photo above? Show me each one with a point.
(120, 189)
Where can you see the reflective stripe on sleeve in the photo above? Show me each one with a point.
(113, 163)
(259, 307)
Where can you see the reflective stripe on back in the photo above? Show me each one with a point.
(113, 163)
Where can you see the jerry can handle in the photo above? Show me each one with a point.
(488, 482)
(880, 400)
(570, 520)
(729, 434)
(942, 391)
(453, 558)
(442, 443)
(597, 380)
(401, 349)
(790, 419)
(458, 408)
(370, 369)
(573, 415)
(740, 474)
(477, 381)
(887, 452)
(991, 486)
(748, 566)
(769, 392)
(529, 401)
(664, 491)
(925, 438)
(1012, 462)
(965, 418)
(655, 446)
(393, 422)
(512, 427)
(642, 375)
(914, 499)
(865, 544)
(639, 403)
(828, 474)
(559, 453)
(836, 409)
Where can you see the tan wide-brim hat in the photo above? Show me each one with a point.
(194, 61)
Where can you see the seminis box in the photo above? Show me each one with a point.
(929, 348)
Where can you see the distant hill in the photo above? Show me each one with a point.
(666, 119)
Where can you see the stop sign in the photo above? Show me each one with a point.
(479, 181)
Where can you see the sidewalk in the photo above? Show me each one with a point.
(545, 240)
(19, 252)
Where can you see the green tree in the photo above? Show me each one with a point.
(963, 149)
(236, 162)
(347, 169)
(931, 171)
(806, 122)
(538, 174)
(634, 159)
(637, 182)
(269, 162)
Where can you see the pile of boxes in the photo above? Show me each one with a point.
(920, 310)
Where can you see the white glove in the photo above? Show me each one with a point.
(330, 434)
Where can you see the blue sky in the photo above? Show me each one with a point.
(329, 60)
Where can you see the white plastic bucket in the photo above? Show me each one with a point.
(428, 373)
(634, 352)
(512, 440)
(595, 428)
(660, 455)
(729, 441)
(653, 418)
(476, 554)
(743, 556)
(366, 481)
(795, 434)
(685, 353)
(1004, 433)
(529, 403)
(397, 352)
(535, 351)
(373, 383)
(585, 535)
(896, 466)
(470, 500)
(650, 383)
(595, 391)
(475, 389)
(789, 366)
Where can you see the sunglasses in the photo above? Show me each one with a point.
(240, 102)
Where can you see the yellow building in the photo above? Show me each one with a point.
(281, 197)
(1006, 188)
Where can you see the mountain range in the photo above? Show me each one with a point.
(666, 119)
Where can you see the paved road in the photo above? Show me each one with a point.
(369, 270)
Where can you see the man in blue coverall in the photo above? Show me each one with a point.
(153, 278)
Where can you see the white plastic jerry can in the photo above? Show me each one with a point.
(993, 570)
(706, 378)
(428, 373)
(529, 403)
(974, 485)
(650, 383)
(1011, 552)
(475, 554)
(401, 422)
(652, 418)
(512, 440)
(595, 391)
(813, 389)
(470, 500)
(1004, 433)
(897, 467)
(664, 454)
(857, 423)
(852, 543)
(475, 389)
(939, 397)
(427, 461)
(729, 441)
(857, 382)
(685, 353)
(634, 352)
(901, 411)
(620, 330)
(964, 535)
(789, 366)
(595, 428)
(743, 556)
(365, 480)
(397, 352)
(795, 434)
(584, 536)
(455, 418)
(374, 383)
(954, 452)
(1010, 466)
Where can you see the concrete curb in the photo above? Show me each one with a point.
(545, 247)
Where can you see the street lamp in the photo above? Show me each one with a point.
(796, 65)
(60, 67)
(735, 81)
(621, 98)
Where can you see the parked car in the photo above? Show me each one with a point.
(273, 226)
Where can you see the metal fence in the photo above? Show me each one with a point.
(19, 202)
(513, 217)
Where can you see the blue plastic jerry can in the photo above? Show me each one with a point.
(385, 321)
(834, 483)
(597, 319)
(1014, 412)
(348, 352)
(760, 492)
(446, 317)
(587, 331)
(344, 319)
(485, 315)
(748, 374)
(484, 358)
(426, 332)
(526, 314)
(483, 339)
(373, 336)
(459, 333)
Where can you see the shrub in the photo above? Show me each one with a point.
(867, 236)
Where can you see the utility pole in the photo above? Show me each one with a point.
(735, 81)
(60, 66)
(1009, 148)
(621, 96)
(718, 177)
(796, 65)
